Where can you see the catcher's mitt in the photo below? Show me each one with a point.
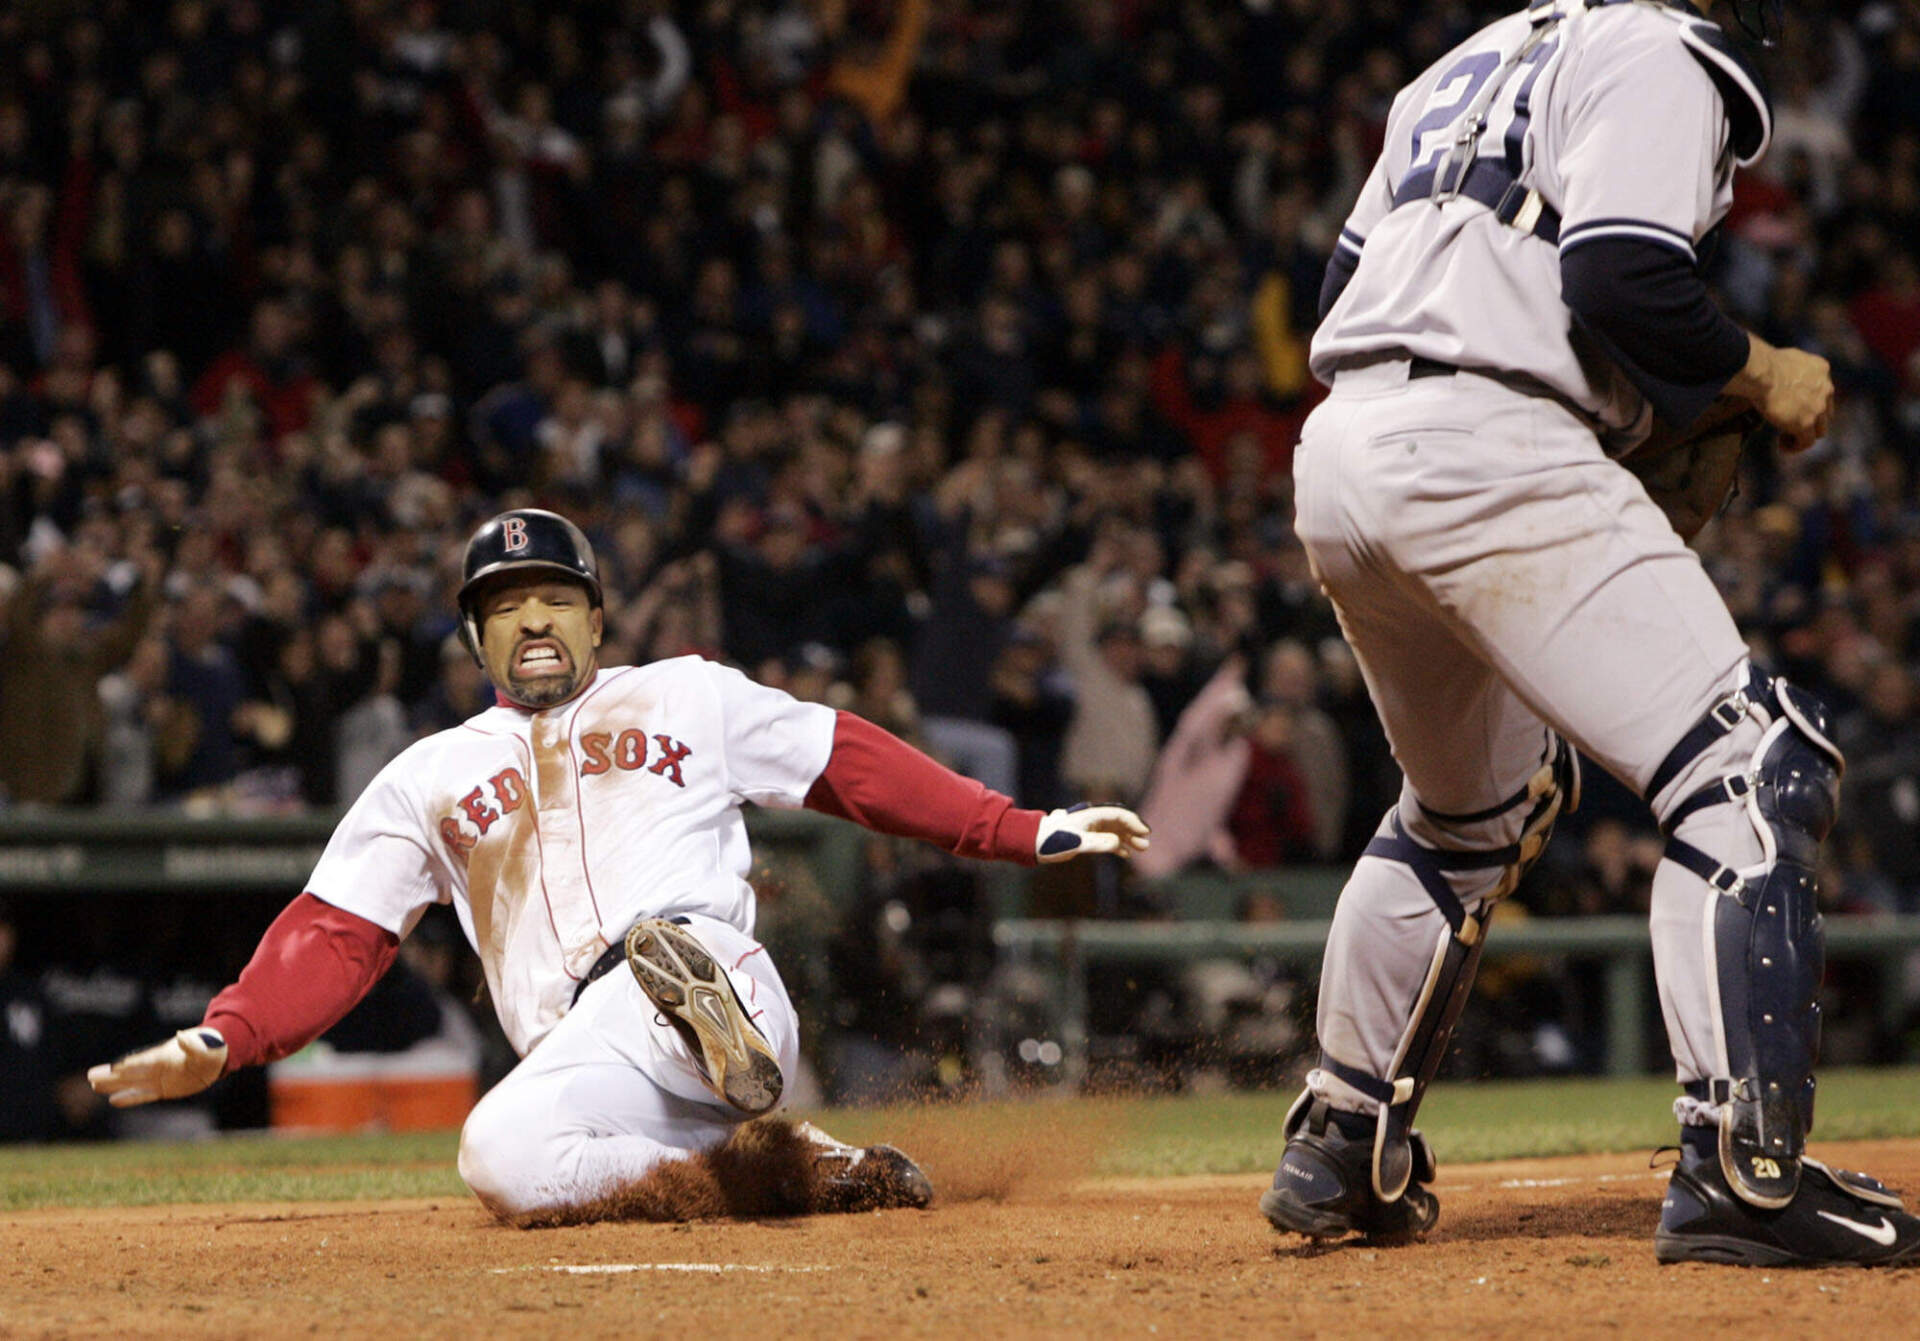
(1689, 473)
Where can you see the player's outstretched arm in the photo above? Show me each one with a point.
(313, 966)
(185, 1064)
(879, 781)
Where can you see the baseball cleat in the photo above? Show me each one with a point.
(695, 996)
(1836, 1218)
(1324, 1185)
(874, 1178)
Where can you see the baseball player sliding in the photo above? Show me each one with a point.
(1514, 298)
(589, 823)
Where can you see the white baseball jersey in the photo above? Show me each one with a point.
(1613, 118)
(552, 832)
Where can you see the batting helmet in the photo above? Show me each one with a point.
(524, 539)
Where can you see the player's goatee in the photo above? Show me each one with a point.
(544, 692)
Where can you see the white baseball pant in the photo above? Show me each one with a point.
(614, 1090)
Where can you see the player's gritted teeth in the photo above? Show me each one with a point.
(538, 657)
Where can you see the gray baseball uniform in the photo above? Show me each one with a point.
(1579, 119)
(1505, 585)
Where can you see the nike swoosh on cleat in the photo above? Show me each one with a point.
(1882, 1233)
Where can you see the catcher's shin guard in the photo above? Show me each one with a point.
(1765, 938)
(1554, 787)
(1443, 996)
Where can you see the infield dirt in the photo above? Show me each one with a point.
(1563, 1244)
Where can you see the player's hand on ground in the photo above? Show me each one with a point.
(1792, 389)
(1065, 834)
(185, 1064)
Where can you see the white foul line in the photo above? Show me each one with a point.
(623, 1268)
(1590, 1178)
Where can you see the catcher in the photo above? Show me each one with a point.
(1516, 296)
(587, 831)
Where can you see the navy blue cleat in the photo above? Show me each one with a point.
(1836, 1218)
(1324, 1185)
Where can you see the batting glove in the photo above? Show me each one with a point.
(185, 1064)
(1082, 829)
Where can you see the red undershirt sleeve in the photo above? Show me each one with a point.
(878, 780)
(313, 966)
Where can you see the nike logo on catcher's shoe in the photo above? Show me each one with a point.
(1881, 1233)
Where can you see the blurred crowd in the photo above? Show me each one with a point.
(942, 361)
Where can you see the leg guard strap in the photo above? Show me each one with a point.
(1723, 878)
(1716, 722)
(1554, 787)
(1380, 1091)
(1724, 792)
(1430, 867)
(1477, 816)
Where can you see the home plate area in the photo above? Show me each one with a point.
(1519, 1243)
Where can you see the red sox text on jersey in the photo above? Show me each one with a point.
(601, 752)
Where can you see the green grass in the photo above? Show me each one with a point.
(1232, 1133)
(237, 1168)
(1468, 1123)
